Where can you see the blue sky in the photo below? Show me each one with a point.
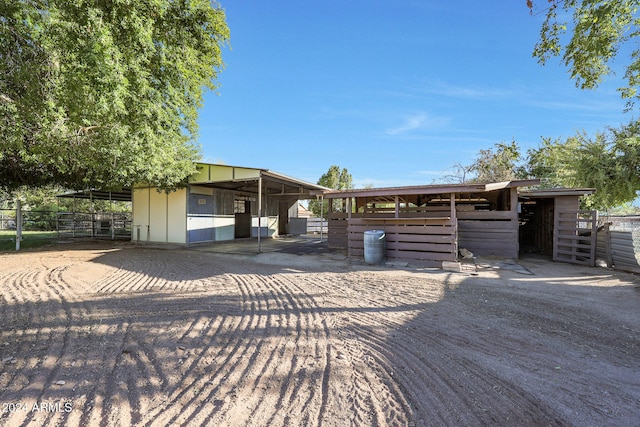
(396, 92)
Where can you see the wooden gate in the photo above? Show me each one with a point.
(574, 237)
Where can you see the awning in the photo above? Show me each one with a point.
(243, 179)
(123, 195)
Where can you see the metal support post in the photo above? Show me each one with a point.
(259, 211)
(18, 223)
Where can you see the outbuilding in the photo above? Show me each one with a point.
(552, 223)
(433, 223)
(220, 203)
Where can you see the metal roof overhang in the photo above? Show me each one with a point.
(123, 195)
(273, 184)
(428, 189)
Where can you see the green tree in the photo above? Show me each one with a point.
(336, 178)
(608, 162)
(501, 163)
(102, 93)
(597, 33)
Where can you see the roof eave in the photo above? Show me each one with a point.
(429, 189)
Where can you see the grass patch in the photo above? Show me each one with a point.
(30, 239)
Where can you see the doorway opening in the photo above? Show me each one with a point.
(242, 213)
(536, 226)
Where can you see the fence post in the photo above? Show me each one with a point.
(607, 243)
(322, 217)
(18, 223)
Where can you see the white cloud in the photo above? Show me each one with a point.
(446, 89)
(431, 172)
(418, 121)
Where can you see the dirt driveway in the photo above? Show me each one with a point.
(117, 335)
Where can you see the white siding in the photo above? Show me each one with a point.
(160, 214)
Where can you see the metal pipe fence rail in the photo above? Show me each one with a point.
(97, 225)
(37, 220)
(51, 225)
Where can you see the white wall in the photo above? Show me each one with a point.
(268, 226)
(159, 216)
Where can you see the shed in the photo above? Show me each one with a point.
(219, 203)
(552, 223)
(431, 223)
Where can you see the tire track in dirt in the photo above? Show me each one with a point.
(196, 337)
(184, 338)
(374, 398)
(271, 313)
(246, 355)
(51, 307)
(199, 375)
(193, 336)
(262, 311)
(391, 347)
(136, 375)
(302, 313)
(200, 345)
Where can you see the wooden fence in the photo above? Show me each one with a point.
(575, 237)
(337, 232)
(429, 240)
(489, 233)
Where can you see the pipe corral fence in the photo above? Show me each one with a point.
(53, 225)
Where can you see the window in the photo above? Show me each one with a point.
(242, 204)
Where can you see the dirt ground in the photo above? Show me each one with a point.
(115, 335)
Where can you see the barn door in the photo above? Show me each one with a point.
(574, 237)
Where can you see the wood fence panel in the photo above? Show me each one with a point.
(575, 237)
(403, 229)
(429, 240)
(487, 215)
(489, 236)
(337, 234)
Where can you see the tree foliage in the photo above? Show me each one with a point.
(336, 178)
(598, 31)
(608, 162)
(45, 199)
(501, 163)
(599, 34)
(104, 93)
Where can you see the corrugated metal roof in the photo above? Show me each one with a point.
(123, 195)
(245, 179)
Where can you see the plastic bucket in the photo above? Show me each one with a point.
(375, 246)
